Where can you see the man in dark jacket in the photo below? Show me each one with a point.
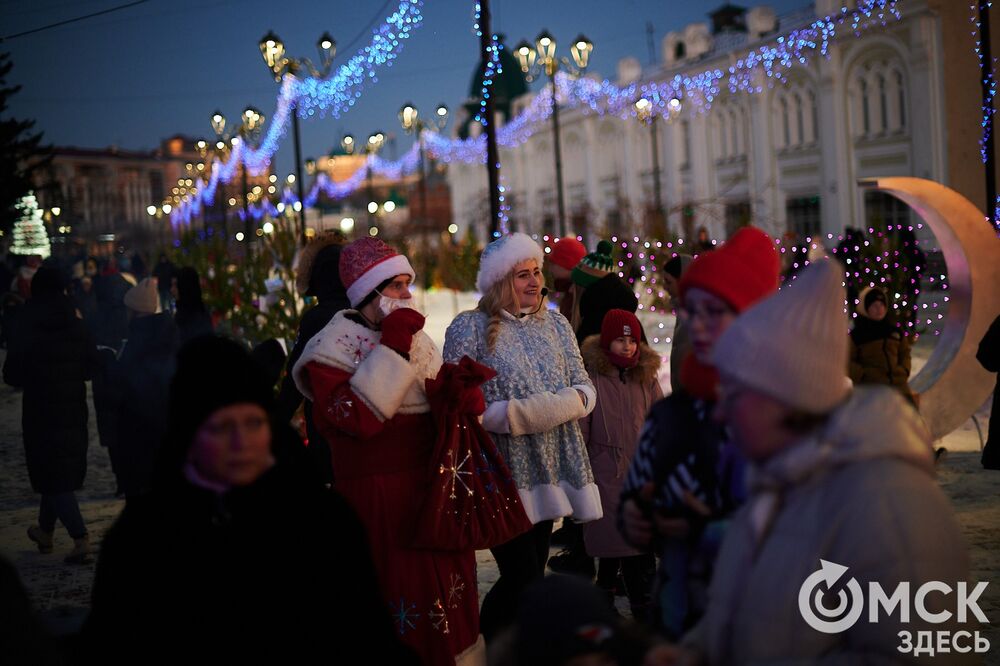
(51, 355)
(319, 277)
(139, 381)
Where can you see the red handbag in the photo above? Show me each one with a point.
(472, 501)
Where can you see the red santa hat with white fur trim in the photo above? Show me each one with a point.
(368, 262)
(500, 257)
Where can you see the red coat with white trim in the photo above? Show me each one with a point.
(369, 403)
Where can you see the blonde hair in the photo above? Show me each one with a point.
(499, 297)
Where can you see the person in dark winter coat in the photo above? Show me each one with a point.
(164, 273)
(237, 555)
(880, 354)
(112, 313)
(680, 343)
(51, 355)
(988, 356)
(190, 315)
(686, 477)
(318, 276)
(139, 380)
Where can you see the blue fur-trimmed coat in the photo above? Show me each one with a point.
(536, 357)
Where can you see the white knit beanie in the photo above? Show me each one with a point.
(500, 257)
(144, 297)
(793, 346)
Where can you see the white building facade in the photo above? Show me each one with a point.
(786, 159)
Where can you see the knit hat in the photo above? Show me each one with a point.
(608, 293)
(561, 617)
(567, 252)
(741, 272)
(868, 296)
(144, 297)
(47, 282)
(500, 257)
(368, 262)
(212, 373)
(594, 266)
(619, 323)
(677, 265)
(318, 269)
(793, 346)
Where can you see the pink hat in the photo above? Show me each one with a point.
(368, 262)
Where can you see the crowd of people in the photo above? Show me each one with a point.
(783, 442)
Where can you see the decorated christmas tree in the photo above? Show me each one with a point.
(30, 237)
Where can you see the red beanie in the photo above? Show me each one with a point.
(741, 272)
(619, 323)
(567, 252)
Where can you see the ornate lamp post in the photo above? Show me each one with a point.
(646, 112)
(542, 58)
(243, 135)
(412, 123)
(272, 50)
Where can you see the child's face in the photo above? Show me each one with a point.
(624, 346)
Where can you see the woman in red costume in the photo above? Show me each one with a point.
(365, 373)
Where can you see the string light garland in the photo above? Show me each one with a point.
(989, 80)
(309, 96)
(695, 92)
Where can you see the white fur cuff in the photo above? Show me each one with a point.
(383, 380)
(495, 417)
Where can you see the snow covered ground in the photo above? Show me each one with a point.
(61, 592)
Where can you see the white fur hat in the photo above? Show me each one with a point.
(793, 346)
(500, 257)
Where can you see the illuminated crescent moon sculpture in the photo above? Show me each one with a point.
(952, 385)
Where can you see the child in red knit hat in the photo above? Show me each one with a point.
(624, 371)
(686, 477)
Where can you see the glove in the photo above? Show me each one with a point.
(399, 327)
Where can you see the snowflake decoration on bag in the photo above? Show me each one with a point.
(456, 473)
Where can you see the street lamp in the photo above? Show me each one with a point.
(272, 50)
(243, 135)
(409, 118)
(542, 58)
(372, 146)
(646, 112)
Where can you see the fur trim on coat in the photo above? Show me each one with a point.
(595, 360)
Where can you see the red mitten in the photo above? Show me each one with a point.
(399, 328)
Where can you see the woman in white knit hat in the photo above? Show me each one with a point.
(533, 404)
(842, 487)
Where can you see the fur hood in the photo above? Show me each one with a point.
(597, 361)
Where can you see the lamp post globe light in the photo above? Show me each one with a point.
(409, 118)
(541, 58)
(646, 111)
(272, 50)
(242, 136)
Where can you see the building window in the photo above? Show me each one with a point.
(799, 125)
(680, 51)
(734, 120)
(785, 124)
(901, 92)
(883, 103)
(685, 144)
(884, 210)
(866, 127)
(737, 216)
(723, 148)
(803, 216)
(156, 192)
(814, 114)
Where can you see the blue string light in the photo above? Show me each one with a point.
(308, 96)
